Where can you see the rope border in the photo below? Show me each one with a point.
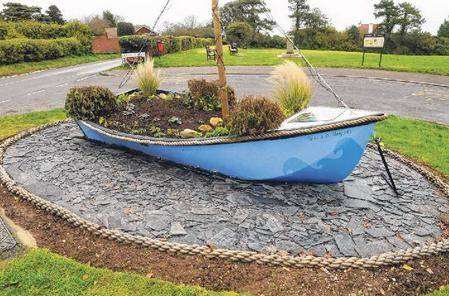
(386, 259)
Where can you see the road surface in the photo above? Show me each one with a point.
(366, 89)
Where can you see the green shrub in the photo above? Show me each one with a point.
(90, 103)
(33, 50)
(10, 30)
(205, 94)
(292, 87)
(254, 116)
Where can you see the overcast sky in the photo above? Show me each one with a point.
(342, 13)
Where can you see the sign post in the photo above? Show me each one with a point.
(371, 41)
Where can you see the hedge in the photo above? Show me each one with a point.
(172, 44)
(267, 41)
(418, 43)
(33, 50)
(3, 33)
(37, 30)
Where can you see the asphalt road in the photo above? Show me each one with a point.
(365, 89)
(46, 89)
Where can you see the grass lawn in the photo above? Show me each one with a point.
(13, 124)
(442, 292)
(21, 68)
(336, 59)
(423, 141)
(40, 272)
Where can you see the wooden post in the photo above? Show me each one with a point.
(220, 64)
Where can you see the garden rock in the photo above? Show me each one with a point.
(188, 133)
(205, 128)
(216, 121)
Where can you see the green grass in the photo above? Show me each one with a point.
(40, 272)
(335, 59)
(21, 68)
(420, 140)
(13, 124)
(443, 291)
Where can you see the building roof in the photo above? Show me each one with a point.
(138, 28)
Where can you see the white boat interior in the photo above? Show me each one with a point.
(321, 115)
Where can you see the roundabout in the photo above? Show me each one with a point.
(124, 195)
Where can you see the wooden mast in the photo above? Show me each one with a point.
(220, 64)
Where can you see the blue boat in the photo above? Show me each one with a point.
(318, 145)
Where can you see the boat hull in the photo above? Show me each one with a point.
(326, 157)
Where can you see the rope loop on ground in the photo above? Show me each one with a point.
(386, 259)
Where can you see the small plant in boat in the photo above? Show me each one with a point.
(254, 116)
(90, 103)
(219, 131)
(204, 94)
(292, 88)
(175, 120)
(148, 79)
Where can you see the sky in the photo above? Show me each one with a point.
(342, 13)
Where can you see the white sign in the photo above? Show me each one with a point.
(374, 42)
(133, 57)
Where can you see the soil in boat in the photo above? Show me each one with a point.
(161, 116)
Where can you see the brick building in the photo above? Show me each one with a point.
(368, 28)
(106, 43)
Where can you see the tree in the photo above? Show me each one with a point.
(96, 24)
(389, 13)
(55, 14)
(299, 10)
(111, 19)
(354, 33)
(249, 11)
(189, 27)
(125, 29)
(444, 29)
(41, 17)
(14, 12)
(316, 20)
(306, 18)
(239, 32)
(409, 18)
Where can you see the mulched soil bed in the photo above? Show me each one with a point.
(146, 116)
(58, 236)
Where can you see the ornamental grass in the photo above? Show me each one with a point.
(292, 88)
(147, 78)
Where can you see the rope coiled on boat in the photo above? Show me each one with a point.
(386, 259)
